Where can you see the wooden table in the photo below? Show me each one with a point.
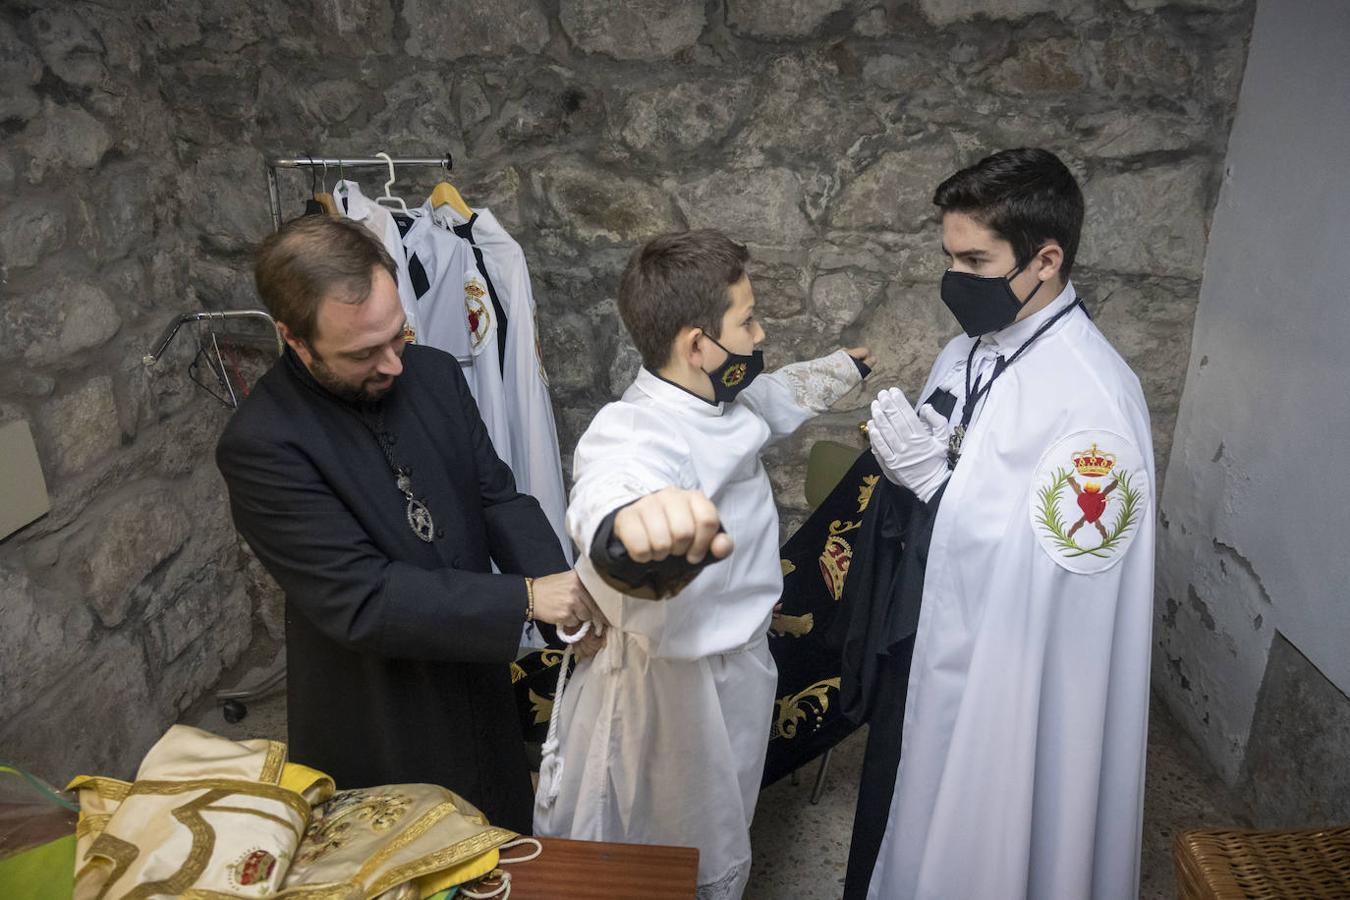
(583, 870)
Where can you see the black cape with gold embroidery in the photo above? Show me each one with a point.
(398, 651)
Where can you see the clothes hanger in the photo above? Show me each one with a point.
(446, 193)
(386, 197)
(312, 206)
(324, 197)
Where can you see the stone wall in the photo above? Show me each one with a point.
(815, 130)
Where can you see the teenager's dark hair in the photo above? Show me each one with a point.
(313, 258)
(676, 281)
(1025, 196)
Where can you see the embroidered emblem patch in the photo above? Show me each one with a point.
(837, 556)
(1089, 496)
(409, 334)
(476, 311)
(734, 375)
(254, 867)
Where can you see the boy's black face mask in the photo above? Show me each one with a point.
(734, 375)
(981, 304)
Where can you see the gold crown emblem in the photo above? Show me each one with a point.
(473, 290)
(1094, 463)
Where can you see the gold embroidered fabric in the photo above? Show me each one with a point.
(209, 817)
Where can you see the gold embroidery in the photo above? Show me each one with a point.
(119, 851)
(203, 845)
(106, 788)
(792, 710)
(787, 566)
(793, 625)
(835, 558)
(328, 830)
(550, 658)
(542, 707)
(454, 855)
(517, 672)
(291, 799)
(91, 824)
(865, 491)
(409, 834)
(274, 763)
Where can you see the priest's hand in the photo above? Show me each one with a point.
(671, 522)
(563, 600)
(910, 447)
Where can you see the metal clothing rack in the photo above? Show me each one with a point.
(446, 162)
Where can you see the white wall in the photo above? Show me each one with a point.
(1257, 499)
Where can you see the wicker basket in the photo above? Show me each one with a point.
(1263, 865)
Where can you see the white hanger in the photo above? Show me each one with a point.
(388, 197)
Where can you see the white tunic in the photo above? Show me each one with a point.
(663, 734)
(1022, 764)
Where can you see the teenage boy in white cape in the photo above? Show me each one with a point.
(1021, 766)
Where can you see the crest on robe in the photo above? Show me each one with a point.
(476, 312)
(1089, 495)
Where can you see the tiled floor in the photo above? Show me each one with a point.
(801, 849)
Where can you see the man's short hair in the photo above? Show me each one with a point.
(1025, 196)
(314, 258)
(677, 281)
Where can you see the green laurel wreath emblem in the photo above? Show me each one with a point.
(1048, 517)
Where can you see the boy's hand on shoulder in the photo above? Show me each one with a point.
(671, 522)
(863, 355)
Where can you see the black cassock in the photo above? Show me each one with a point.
(398, 650)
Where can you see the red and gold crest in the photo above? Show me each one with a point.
(409, 334)
(476, 311)
(254, 868)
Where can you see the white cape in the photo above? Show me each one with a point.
(1022, 763)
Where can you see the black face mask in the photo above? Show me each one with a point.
(734, 375)
(981, 304)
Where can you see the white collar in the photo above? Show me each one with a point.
(1015, 335)
(672, 394)
(359, 206)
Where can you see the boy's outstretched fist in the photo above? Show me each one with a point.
(672, 522)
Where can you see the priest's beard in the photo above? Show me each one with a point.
(366, 391)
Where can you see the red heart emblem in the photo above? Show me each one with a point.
(1093, 504)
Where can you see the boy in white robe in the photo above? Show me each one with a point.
(662, 735)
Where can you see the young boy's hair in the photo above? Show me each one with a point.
(1025, 196)
(677, 281)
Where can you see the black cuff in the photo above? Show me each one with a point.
(655, 580)
(863, 368)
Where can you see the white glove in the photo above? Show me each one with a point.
(911, 447)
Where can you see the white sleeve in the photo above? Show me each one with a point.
(796, 393)
(625, 454)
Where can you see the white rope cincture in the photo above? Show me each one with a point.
(503, 890)
(551, 765)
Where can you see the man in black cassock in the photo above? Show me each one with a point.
(360, 473)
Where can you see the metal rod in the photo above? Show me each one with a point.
(274, 197)
(444, 162)
(172, 329)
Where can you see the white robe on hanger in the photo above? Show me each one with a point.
(380, 222)
(533, 454)
(1022, 762)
